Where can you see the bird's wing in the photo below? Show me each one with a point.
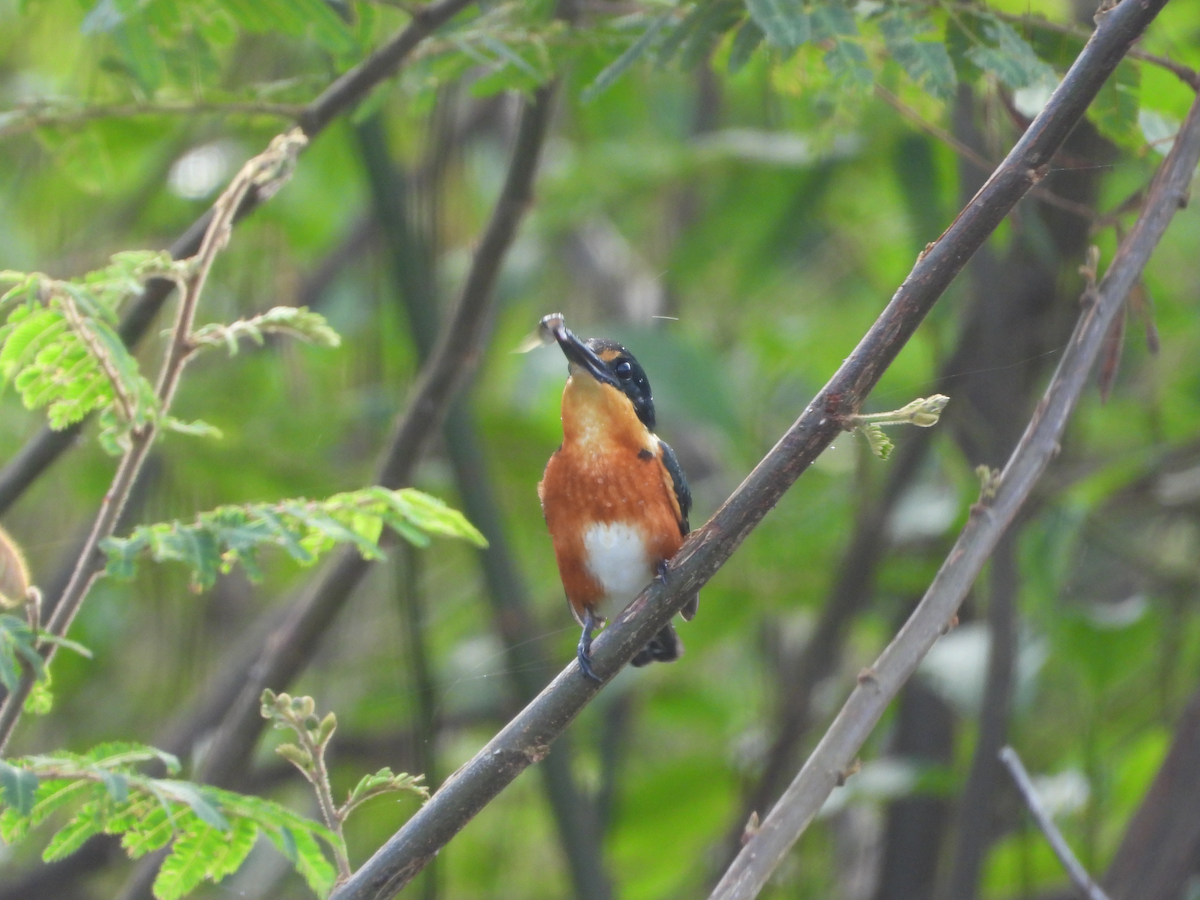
(678, 483)
(673, 473)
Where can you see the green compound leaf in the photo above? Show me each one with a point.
(785, 23)
(59, 347)
(212, 830)
(304, 529)
(926, 62)
(1007, 55)
(154, 830)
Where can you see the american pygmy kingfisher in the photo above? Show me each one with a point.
(613, 494)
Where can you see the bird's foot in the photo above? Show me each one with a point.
(662, 571)
(585, 647)
(585, 664)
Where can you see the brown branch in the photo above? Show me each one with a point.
(339, 98)
(1083, 881)
(983, 530)
(527, 738)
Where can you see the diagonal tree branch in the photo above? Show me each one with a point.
(527, 738)
(337, 99)
(987, 524)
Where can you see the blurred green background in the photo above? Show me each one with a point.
(738, 227)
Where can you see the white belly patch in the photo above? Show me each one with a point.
(617, 558)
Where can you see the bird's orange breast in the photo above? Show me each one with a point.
(603, 491)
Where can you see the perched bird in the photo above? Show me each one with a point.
(614, 497)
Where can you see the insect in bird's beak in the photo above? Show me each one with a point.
(553, 328)
(546, 333)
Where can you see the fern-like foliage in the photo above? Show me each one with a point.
(297, 322)
(305, 529)
(59, 346)
(935, 44)
(210, 831)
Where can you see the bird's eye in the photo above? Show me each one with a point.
(624, 369)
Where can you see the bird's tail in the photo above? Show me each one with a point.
(663, 647)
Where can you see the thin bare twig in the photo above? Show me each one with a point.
(527, 738)
(44, 113)
(1008, 756)
(266, 172)
(990, 517)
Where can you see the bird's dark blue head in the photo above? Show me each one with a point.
(610, 363)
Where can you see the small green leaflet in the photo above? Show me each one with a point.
(745, 42)
(304, 529)
(832, 19)
(717, 18)
(926, 62)
(847, 61)
(1116, 109)
(203, 852)
(615, 69)
(784, 22)
(17, 787)
(1008, 56)
(17, 642)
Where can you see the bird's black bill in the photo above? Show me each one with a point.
(577, 352)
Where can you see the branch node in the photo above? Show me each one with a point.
(751, 829)
(853, 769)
